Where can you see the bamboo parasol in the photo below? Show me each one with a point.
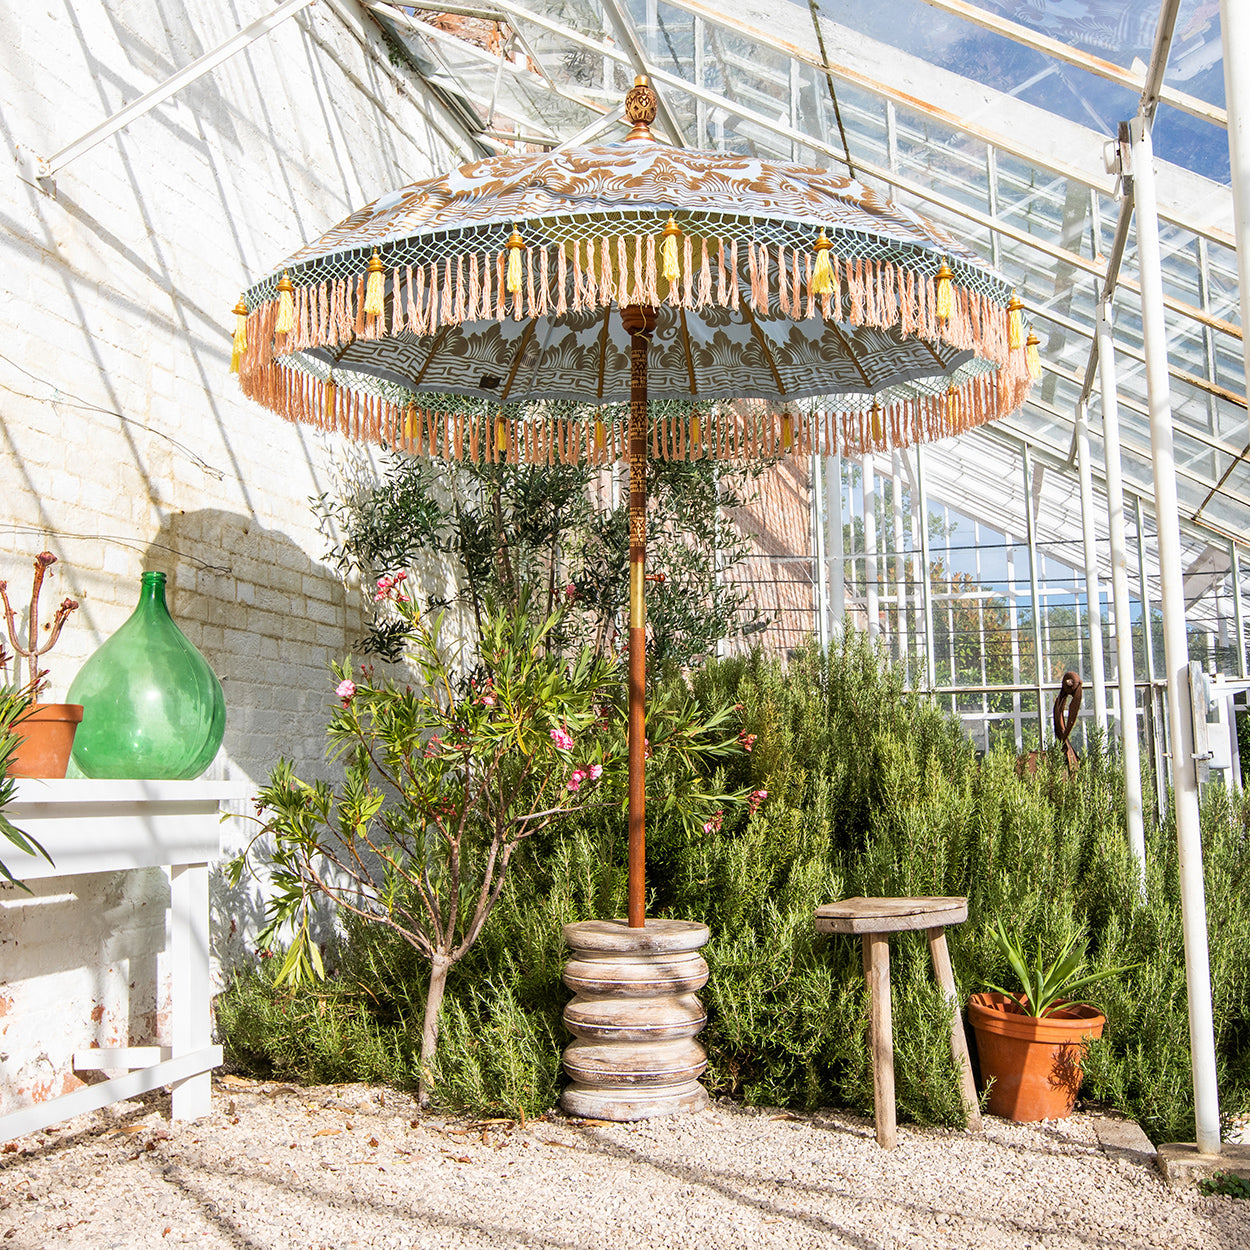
(622, 274)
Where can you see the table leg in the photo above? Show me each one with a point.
(881, 1035)
(189, 989)
(959, 1041)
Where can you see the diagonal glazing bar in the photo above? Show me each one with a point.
(171, 86)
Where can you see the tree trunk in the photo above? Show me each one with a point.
(440, 966)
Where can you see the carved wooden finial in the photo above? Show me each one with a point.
(641, 105)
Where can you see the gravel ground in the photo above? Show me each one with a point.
(298, 1168)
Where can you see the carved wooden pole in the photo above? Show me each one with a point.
(639, 322)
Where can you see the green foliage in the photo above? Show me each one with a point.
(1048, 986)
(15, 703)
(1225, 1183)
(514, 531)
(870, 792)
(444, 779)
(323, 1034)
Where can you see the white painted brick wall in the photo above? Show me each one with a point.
(124, 441)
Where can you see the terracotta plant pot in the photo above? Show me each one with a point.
(47, 736)
(1034, 1062)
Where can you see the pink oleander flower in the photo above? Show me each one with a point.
(575, 781)
(747, 740)
(596, 771)
(489, 700)
(570, 592)
(346, 691)
(757, 797)
(562, 739)
(713, 825)
(388, 584)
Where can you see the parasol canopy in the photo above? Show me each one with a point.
(858, 325)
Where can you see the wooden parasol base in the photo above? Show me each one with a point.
(634, 1019)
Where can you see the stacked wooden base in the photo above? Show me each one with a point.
(634, 1019)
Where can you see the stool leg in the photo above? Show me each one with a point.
(959, 1041)
(881, 1035)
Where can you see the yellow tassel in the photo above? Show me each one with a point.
(822, 274)
(668, 252)
(600, 439)
(375, 286)
(501, 433)
(239, 347)
(875, 423)
(286, 305)
(696, 429)
(515, 245)
(945, 296)
(787, 431)
(1015, 323)
(1031, 357)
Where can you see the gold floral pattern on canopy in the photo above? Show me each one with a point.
(502, 281)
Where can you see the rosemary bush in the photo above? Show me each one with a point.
(871, 792)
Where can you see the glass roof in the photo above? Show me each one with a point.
(1118, 33)
(991, 118)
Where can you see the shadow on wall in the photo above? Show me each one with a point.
(269, 619)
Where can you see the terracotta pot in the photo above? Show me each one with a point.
(1035, 1062)
(47, 736)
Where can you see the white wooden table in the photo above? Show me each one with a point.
(111, 826)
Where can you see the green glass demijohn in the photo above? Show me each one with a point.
(152, 707)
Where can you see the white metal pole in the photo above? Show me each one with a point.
(900, 565)
(1154, 706)
(1176, 651)
(1039, 667)
(819, 569)
(926, 590)
(1235, 34)
(1234, 568)
(868, 495)
(1125, 670)
(834, 543)
(1093, 594)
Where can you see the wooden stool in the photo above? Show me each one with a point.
(873, 919)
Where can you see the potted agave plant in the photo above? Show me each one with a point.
(46, 730)
(1031, 1043)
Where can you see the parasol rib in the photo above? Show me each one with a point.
(685, 342)
(603, 348)
(941, 364)
(850, 354)
(526, 335)
(763, 342)
(438, 342)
